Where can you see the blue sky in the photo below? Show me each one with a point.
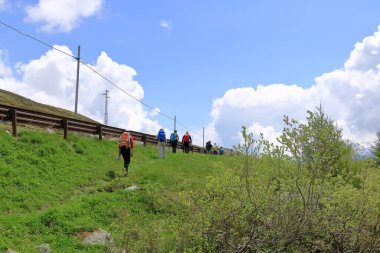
(213, 64)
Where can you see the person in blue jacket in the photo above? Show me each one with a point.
(161, 138)
(174, 141)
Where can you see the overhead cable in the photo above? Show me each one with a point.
(112, 83)
(88, 66)
(92, 69)
(33, 38)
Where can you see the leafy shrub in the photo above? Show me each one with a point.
(306, 195)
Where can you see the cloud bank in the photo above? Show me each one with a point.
(61, 15)
(350, 96)
(51, 79)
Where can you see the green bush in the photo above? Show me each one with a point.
(307, 195)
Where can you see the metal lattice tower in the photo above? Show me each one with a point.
(106, 108)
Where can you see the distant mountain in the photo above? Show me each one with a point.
(12, 99)
(362, 152)
(366, 152)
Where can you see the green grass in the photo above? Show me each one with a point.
(12, 99)
(51, 190)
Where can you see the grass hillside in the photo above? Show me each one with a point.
(309, 194)
(54, 191)
(12, 99)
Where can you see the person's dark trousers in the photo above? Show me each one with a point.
(174, 147)
(126, 153)
(187, 146)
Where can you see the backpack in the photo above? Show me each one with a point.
(173, 137)
(186, 138)
(161, 136)
(124, 140)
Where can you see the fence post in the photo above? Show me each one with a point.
(13, 118)
(99, 129)
(143, 138)
(65, 126)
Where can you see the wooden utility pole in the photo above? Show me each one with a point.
(106, 108)
(77, 86)
(203, 137)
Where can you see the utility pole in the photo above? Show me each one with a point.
(77, 86)
(175, 121)
(203, 137)
(106, 108)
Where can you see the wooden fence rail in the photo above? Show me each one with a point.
(22, 116)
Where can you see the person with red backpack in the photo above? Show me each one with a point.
(186, 141)
(126, 149)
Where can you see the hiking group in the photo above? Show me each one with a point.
(214, 149)
(174, 138)
(125, 145)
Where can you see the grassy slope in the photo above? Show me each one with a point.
(51, 190)
(12, 99)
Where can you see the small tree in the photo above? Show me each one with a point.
(292, 197)
(317, 145)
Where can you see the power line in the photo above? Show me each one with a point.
(88, 66)
(33, 38)
(109, 81)
(92, 69)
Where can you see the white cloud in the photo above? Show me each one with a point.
(4, 70)
(350, 97)
(51, 79)
(269, 132)
(154, 112)
(61, 15)
(167, 25)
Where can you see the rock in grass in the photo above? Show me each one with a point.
(131, 188)
(98, 237)
(10, 251)
(44, 248)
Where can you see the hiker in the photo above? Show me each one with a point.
(215, 149)
(126, 149)
(186, 141)
(221, 150)
(161, 137)
(174, 141)
(208, 147)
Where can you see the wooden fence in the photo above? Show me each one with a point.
(19, 116)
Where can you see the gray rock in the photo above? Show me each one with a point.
(50, 131)
(131, 188)
(98, 237)
(44, 248)
(117, 250)
(10, 251)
